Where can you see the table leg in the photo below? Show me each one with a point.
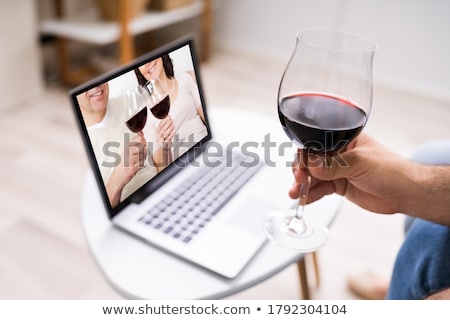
(301, 266)
(316, 267)
(303, 274)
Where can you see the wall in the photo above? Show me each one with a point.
(412, 35)
(20, 64)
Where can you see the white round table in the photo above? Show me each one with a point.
(138, 270)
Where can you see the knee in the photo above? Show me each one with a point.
(422, 266)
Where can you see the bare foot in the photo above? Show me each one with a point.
(368, 285)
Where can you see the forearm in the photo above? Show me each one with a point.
(429, 198)
(161, 158)
(114, 189)
(201, 114)
(114, 193)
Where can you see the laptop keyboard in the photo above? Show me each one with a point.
(193, 204)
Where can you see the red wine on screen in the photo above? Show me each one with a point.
(161, 109)
(320, 122)
(137, 122)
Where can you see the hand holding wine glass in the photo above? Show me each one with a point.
(372, 189)
(165, 131)
(324, 100)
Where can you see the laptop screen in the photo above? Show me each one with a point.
(142, 122)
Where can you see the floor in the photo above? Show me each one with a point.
(43, 253)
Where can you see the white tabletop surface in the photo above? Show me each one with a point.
(138, 270)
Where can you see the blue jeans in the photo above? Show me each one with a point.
(422, 266)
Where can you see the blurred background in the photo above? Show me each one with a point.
(244, 46)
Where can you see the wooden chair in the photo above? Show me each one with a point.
(123, 31)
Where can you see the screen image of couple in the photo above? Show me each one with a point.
(143, 120)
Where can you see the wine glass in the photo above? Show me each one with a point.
(160, 106)
(135, 102)
(324, 101)
(159, 98)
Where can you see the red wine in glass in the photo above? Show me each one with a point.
(320, 122)
(159, 98)
(161, 109)
(137, 122)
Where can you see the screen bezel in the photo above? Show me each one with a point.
(156, 182)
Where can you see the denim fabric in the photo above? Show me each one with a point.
(422, 266)
(435, 152)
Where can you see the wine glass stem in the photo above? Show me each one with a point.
(297, 224)
(304, 190)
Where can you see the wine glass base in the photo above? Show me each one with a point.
(278, 229)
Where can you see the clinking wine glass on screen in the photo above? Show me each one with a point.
(324, 101)
(135, 102)
(159, 98)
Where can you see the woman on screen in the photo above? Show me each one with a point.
(185, 122)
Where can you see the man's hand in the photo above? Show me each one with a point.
(367, 173)
(132, 160)
(376, 179)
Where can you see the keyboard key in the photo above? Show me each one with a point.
(168, 229)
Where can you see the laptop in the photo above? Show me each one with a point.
(204, 207)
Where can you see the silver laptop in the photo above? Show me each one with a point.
(202, 206)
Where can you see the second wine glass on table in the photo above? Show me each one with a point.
(324, 101)
(135, 102)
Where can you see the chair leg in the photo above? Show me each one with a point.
(126, 41)
(205, 33)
